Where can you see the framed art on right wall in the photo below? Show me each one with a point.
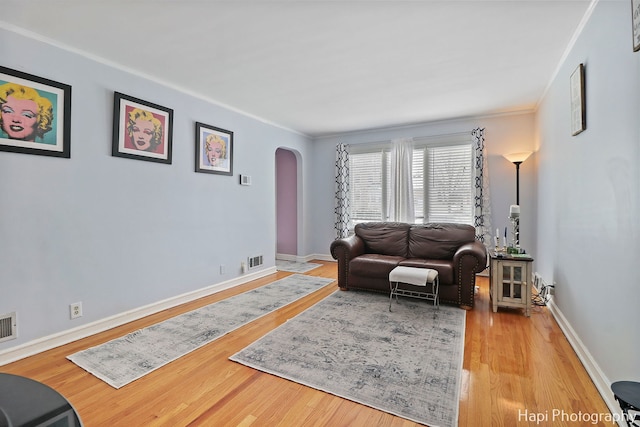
(578, 104)
(635, 24)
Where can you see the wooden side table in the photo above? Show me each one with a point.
(510, 281)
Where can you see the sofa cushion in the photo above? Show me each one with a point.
(444, 267)
(373, 265)
(386, 238)
(438, 240)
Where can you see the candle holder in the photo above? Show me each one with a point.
(515, 232)
(514, 218)
(500, 248)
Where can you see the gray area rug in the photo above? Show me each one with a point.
(123, 360)
(407, 362)
(295, 267)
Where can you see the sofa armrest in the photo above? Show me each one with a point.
(469, 259)
(476, 250)
(344, 250)
(347, 247)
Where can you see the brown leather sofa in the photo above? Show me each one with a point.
(366, 258)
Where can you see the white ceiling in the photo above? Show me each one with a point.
(325, 67)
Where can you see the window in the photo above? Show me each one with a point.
(449, 191)
(443, 180)
(366, 186)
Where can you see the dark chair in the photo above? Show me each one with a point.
(627, 393)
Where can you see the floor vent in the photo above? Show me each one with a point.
(255, 261)
(8, 330)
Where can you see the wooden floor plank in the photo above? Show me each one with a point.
(512, 364)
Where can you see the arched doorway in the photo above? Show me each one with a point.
(286, 204)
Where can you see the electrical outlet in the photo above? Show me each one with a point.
(221, 268)
(75, 310)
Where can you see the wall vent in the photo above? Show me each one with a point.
(8, 327)
(255, 261)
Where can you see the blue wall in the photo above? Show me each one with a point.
(116, 233)
(580, 195)
(589, 188)
(504, 134)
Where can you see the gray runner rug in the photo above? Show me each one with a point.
(296, 267)
(407, 362)
(123, 360)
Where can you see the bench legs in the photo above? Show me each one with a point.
(429, 296)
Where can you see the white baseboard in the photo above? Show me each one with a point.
(307, 258)
(288, 257)
(602, 383)
(321, 257)
(47, 343)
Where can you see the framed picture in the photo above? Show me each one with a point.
(141, 130)
(35, 115)
(635, 24)
(578, 104)
(214, 150)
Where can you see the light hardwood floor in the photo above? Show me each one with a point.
(513, 367)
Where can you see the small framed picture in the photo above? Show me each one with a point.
(35, 115)
(635, 24)
(214, 150)
(141, 130)
(578, 104)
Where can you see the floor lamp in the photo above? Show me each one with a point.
(514, 210)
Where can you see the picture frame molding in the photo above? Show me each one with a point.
(578, 101)
(118, 143)
(62, 107)
(201, 164)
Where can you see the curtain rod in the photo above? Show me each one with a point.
(444, 134)
(417, 138)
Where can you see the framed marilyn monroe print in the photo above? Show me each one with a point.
(141, 130)
(35, 114)
(214, 150)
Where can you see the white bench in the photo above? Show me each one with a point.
(418, 277)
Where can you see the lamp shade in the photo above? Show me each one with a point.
(517, 157)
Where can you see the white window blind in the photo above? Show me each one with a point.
(419, 184)
(450, 184)
(442, 181)
(366, 186)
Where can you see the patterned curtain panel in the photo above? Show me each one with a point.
(482, 201)
(342, 191)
